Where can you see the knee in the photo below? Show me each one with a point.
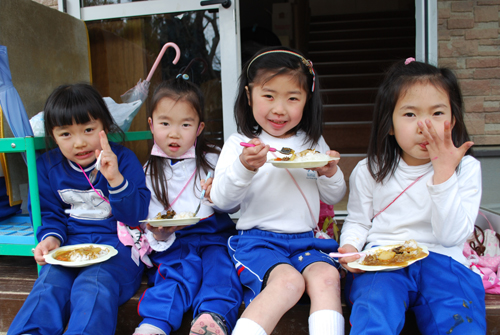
(290, 283)
(322, 275)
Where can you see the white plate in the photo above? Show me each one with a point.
(172, 222)
(357, 263)
(51, 260)
(301, 164)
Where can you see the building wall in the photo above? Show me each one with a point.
(469, 44)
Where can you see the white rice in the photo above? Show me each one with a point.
(311, 156)
(184, 215)
(76, 256)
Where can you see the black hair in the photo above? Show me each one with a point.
(272, 65)
(178, 89)
(384, 152)
(76, 103)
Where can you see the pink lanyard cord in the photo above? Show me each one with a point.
(91, 184)
(400, 194)
(300, 190)
(173, 202)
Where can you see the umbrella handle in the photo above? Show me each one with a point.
(158, 59)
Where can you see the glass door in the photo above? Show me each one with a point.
(125, 38)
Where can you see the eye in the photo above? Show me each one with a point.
(438, 113)
(89, 130)
(164, 123)
(64, 134)
(409, 114)
(294, 98)
(186, 125)
(268, 96)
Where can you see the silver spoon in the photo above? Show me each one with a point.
(202, 195)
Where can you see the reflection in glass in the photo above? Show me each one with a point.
(124, 50)
(90, 3)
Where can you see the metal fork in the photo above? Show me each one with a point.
(284, 150)
(202, 195)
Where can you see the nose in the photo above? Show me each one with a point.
(174, 133)
(80, 142)
(279, 108)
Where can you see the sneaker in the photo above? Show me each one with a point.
(147, 329)
(208, 324)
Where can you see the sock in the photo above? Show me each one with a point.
(248, 327)
(147, 329)
(326, 322)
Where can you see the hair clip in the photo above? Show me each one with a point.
(184, 76)
(309, 65)
(409, 60)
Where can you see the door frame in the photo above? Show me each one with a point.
(229, 29)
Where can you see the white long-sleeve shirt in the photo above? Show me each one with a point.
(268, 198)
(177, 177)
(440, 217)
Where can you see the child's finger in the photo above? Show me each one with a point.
(447, 131)
(425, 131)
(464, 147)
(432, 131)
(104, 140)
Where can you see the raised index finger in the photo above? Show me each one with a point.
(104, 140)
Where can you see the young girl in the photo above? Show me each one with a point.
(86, 299)
(192, 267)
(276, 256)
(418, 183)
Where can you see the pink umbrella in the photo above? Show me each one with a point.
(140, 91)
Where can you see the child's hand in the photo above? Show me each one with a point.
(329, 169)
(443, 154)
(254, 157)
(207, 186)
(163, 233)
(44, 247)
(346, 248)
(109, 162)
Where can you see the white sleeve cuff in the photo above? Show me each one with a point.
(159, 245)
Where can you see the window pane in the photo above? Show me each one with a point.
(124, 50)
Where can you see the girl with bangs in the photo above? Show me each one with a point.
(419, 182)
(74, 210)
(275, 252)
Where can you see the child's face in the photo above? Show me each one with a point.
(278, 104)
(79, 142)
(175, 126)
(419, 102)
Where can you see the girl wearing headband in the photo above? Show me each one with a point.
(275, 252)
(192, 269)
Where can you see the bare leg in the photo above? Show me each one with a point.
(323, 287)
(284, 288)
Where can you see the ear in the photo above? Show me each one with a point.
(453, 121)
(200, 128)
(391, 132)
(150, 122)
(249, 97)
